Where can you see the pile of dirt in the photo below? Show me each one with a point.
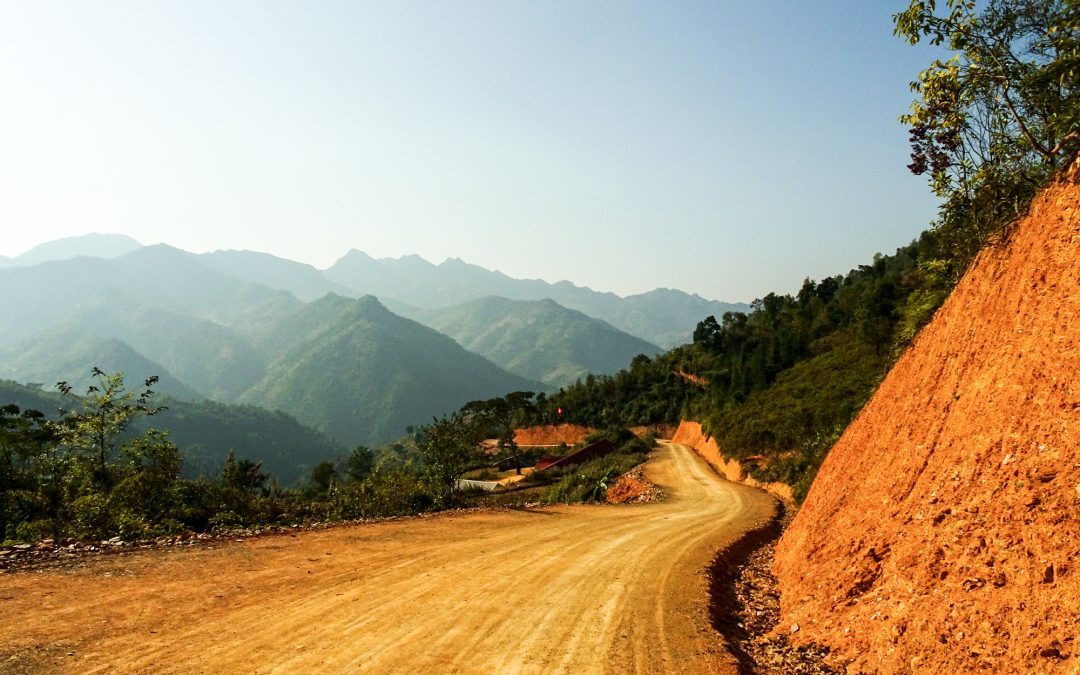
(552, 434)
(690, 433)
(941, 532)
(633, 488)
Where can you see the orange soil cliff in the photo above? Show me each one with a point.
(942, 533)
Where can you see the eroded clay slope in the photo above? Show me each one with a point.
(552, 434)
(942, 533)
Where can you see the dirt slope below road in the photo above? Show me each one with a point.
(571, 589)
(941, 533)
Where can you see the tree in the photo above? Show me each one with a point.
(237, 491)
(994, 122)
(323, 476)
(450, 447)
(360, 463)
(503, 414)
(708, 333)
(153, 475)
(243, 474)
(104, 413)
(25, 442)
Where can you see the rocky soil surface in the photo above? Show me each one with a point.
(746, 608)
(942, 531)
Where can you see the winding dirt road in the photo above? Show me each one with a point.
(564, 589)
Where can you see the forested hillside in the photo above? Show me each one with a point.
(363, 374)
(779, 384)
(538, 339)
(783, 380)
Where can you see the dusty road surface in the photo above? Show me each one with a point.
(575, 589)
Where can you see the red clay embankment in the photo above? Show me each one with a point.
(691, 433)
(942, 533)
(552, 434)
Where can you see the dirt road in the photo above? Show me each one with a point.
(563, 589)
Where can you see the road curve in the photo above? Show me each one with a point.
(574, 589)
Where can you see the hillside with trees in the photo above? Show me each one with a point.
(782, 381)
(362, 374)
(539, 339)
(949, 506)
(206, 432)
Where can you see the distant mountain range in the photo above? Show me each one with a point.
(247, 327)
(348, 367)
(663, 317)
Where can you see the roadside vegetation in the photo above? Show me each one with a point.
(94, 471)
(589, 481)
(98, 469)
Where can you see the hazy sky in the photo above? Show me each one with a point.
(725, 148)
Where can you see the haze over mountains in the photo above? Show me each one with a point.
(664, 317)
(252, 328)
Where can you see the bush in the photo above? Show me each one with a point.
(589, 482)
(92, 518)
(223, 520)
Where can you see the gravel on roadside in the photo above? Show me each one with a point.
(746, 607)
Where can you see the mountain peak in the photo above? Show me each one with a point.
(93, 245)
(357, 254)
(411, 261)
(158, 252)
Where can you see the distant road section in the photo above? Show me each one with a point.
(574, 589)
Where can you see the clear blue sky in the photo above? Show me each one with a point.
(725, 148)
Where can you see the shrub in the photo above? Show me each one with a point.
(589, 482)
